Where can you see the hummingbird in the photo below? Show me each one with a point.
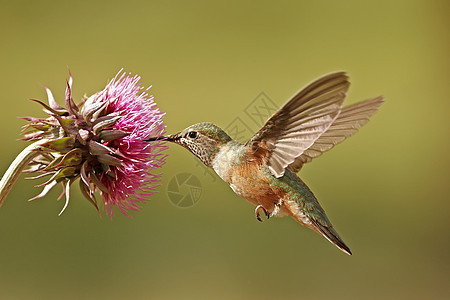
(263, 171)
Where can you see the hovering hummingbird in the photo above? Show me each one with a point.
(263, 170)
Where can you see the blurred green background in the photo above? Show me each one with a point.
(385, 190)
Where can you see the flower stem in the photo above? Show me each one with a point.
(16, 168)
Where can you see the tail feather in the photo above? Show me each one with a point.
(330, 234)
(315, 219)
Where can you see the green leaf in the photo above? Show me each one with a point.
(62, 145)
(72, 158)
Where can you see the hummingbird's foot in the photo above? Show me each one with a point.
(257, 212)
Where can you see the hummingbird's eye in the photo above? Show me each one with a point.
(192, 134)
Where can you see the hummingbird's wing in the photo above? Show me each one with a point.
(346, 124)
(301, 121)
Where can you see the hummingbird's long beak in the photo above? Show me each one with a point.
(169, 138)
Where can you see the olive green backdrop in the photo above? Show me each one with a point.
(385, 189)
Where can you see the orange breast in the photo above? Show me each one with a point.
(249, 181)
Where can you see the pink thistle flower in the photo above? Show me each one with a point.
(133, 181)
(101, 142)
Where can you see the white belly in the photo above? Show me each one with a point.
(222, 162)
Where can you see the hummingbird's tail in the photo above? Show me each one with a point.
(330, 234)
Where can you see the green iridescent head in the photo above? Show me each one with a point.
(202, 139)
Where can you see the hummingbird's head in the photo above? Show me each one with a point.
(203, 140)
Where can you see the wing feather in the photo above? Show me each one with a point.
(346, 124)
(301, 121)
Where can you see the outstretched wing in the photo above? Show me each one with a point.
(301, 121)
(346, 124)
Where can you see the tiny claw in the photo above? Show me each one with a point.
(257, 212)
